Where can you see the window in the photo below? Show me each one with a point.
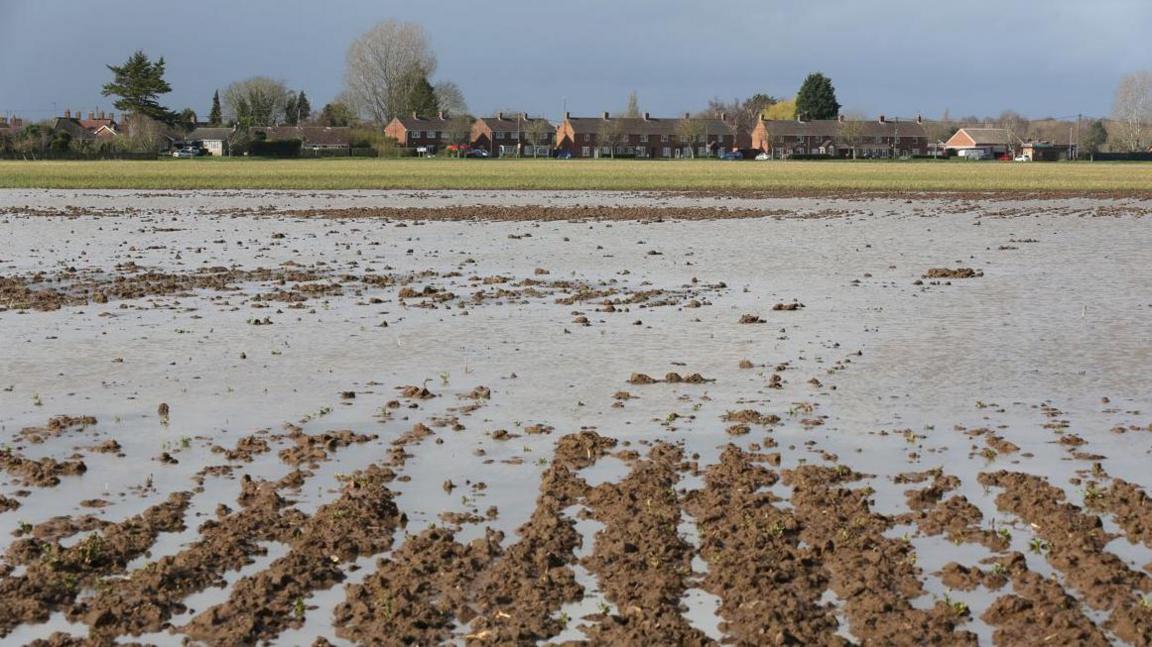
(667, 152)
(643, 139)
(438, 135)
(584, 152)
(664, 140)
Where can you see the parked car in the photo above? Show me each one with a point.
(763, 156)
(731, 156)
(477, 153)
(1023, 158)
(185, 152)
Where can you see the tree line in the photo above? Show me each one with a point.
(390, 72)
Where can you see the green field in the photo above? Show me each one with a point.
(693, 175)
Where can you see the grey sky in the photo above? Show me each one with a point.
(1039, 57)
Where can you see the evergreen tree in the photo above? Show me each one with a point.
(817, 98)
(422, 98)
(303, 108)
(1097, 136)
(215, 118)
(187, 120)
(337, 114)
(291, 110)
(138, 82)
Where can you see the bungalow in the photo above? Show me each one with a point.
(840, 137)
(312, 137)
(215, 140)
(644, 137)
(504, 135)
(982, 143)
(421, 132)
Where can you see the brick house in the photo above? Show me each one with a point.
(425, 132)
(784, 138)
(644, 137)
(981, 143)
(503, 135)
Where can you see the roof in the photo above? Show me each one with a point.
(414, 122)
(645, 126)
(502, 122)
(221, 134)
(831, 128)
(987, 136)
(311, 135)
(72, 127)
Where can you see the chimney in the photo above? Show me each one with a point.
(840, 118)
(605, 114)
(687, 115)
(647, 117)
(723, 116)
(524, 116)
(919, 119)
(567, 116)
(67, 113)
(414, 115)
(91, 115)
(499, 116)
(101, 114)
(882, 120)
(440, 115)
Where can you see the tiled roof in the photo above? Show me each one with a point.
(645, 126)
(311, 135)
(831, 128)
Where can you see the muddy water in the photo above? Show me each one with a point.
(881, 369)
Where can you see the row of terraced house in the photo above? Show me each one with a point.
(661, 137)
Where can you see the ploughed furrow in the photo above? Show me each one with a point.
(416, 594)
(876, 577)
(1038, 611)
(518, 595)
(150, 596)
(1074, 544)
(420, 591)
(955, 517)
(1129, 506)
(56, 575)
(639, 559)
(769, 587)
(360, 522)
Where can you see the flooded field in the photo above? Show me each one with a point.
(573, 418)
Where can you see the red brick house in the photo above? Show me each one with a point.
(424, 132)
(981, 143)
(784, 138)
(644, 137)
(507, 135)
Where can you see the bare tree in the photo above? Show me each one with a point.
(536, 132)
(850, 133)
(383, 65)
(258, 101)
(689, 131)
(633, 109)
(940, 130)
(1132, 111)
(457, 131)
(609, 134)
(450, 98)
(1016, 126)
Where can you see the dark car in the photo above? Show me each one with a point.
(478, 153)
(731, 156)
